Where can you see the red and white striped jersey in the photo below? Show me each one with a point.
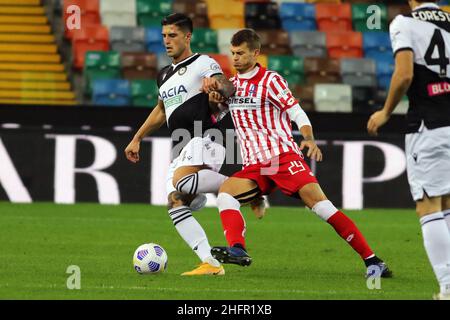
(258, 110)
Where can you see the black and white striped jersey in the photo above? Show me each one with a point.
(179, 89)
(426, 32)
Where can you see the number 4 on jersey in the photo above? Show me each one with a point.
(442, 61)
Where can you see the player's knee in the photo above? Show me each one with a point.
(226, 201)
(187, 184)
(178, 199)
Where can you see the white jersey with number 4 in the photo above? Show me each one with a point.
(426, 32)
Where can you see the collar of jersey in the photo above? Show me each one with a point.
(427, 5)
(184, 60)
(250, 74)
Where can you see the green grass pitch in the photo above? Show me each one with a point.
(295, 255)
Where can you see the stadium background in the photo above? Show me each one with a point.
(71, 100)
(99, 80)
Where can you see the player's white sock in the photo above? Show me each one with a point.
(447, 217)
(436, 240)
(192, 232)
(203, 181)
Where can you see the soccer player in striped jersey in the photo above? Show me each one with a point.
(262, 110)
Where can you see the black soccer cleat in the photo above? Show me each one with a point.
(233, 255)
(379, 269)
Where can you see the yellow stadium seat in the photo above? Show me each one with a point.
(38, 102)
(21, 10)
(15, 28)
(31, 67)
(446, 8)
(17, 57)
(20, 2)
(30, 76)
(48, 95)
(10, 19)
(27, 38)
(28, 48)
(226, 14)
(30, 85)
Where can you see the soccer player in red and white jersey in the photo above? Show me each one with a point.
(262, 110)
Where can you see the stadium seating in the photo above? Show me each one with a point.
(151, 12)
(196, 10)
(305, 95)
(262, 16)
(139, 65)
(333, 98)
(223, 39)
(204, 41)
(275, 42)
(344, 44)
(366, 100)
(163, 60)
(100, 65)
(89, 38)
(332, 17)
(363, 17)
(377, 45)
(118, 13)
(322, 70)
(89, 13)
(112, 92)
(298, 16)
(384, 68)
(154, 40)
(224, 62)
(226, 14)
(127, 39)
(31, 69)
(308, 43)
(359, 72)
(290, 67)
(144, 93)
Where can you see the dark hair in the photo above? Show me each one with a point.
(249, 36)
(182, 21)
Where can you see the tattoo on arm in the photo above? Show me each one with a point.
(228, 88)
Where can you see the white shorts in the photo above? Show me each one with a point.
(199, 151)
(428, 162)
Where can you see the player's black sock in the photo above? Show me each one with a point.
(372, 261)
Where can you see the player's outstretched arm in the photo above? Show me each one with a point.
(400, 82)
(153, 122)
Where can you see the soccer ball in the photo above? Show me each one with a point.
(150, 258)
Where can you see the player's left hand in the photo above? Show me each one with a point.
(377, 120)
(313, 150)
(210, 84)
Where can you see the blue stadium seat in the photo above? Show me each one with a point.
(385, 68)
(298, 16)
(377, 45)
(154, 40)
(114, 92)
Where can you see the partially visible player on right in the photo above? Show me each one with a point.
(421, 44)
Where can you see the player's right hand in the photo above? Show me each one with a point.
(132, 151)
(377, 120)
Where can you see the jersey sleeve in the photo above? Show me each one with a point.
(280, 94)
(209, 67)
(401, 38)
